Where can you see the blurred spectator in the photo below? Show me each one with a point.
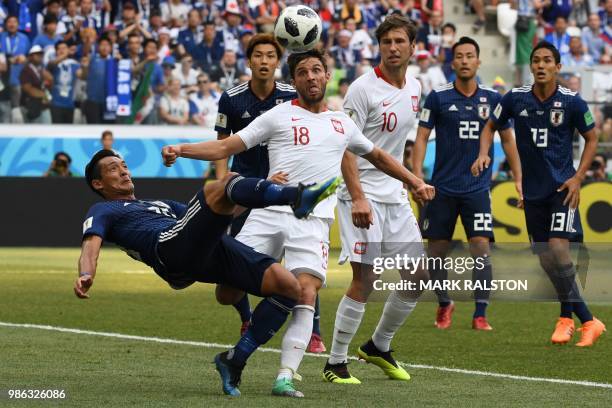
(52, 8)
(227, 74)
(60, 166)
(15, 46)
(605, 14)
(211, 10)
(348, 9)
(192, 35)
(168, 66)
(186, 75)
(229, 36)
(130, 23)
(429, 36)
(479, 8)
(597, 171)
(408, 147)
(203, 104)
(34, 81)
(48, 37)
(576, 58)
(5, 90)
(70, 23)
(500, 85)
(149, 71)
(88, 43)
(107, 140)
(430, 76)
(266, 14)
(155, 23)
(580, 12)
(174, 12)
(574, 83)
(503, 172)
(559, 37)
(360, 39)
(208, 53)
(133, 49)
(345, 56)
(553, 9)
(65, 71)
(445, 54)
(593, 39)
(525, 35)
(173, 108)
(95, 71)
(372, 14)
(91, 19)
(164, 44)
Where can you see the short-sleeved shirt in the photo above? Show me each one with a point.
(307, 146)
(458, 120)
(64, 78)
(175, 107)
(544, 132)
(238, 107)
(133, 225)
(13, 45)
(30, 75)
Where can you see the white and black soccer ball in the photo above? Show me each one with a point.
(298, 28)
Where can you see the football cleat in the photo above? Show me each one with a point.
(564, 329)
(244, 327)
(283, 387)
(443, 316)
(316, 344)
(338, 374)
(384, 360)
(312, 194)
(481, 323)
(230, 374)
(590, 331)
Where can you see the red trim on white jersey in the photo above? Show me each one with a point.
(379, 74)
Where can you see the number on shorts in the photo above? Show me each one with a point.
(482, 222)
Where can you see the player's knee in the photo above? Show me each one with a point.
(308, 295)
(227, 295)
(279, 281)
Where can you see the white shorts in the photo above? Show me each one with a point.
(303, 243)
(395, 231)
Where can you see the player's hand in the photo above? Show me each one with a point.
(481, 163)
(572, 186)
(170, 154)
(518, 185)
(362, 213)
(82, 285)
(279, 178)
(424, 192)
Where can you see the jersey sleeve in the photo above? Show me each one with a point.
(259, 130)
(429, 113)
(503, 111)
(358, 143)
(582, 118)
(178, 208)
(356, 105)
(495, 99)
(222, 124)
(99, 220)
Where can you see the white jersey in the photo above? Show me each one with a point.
(385, 114)
(307, 146)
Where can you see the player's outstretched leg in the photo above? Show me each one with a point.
(258, 193)
(316, 342)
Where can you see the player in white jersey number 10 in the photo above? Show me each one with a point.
(307, 142)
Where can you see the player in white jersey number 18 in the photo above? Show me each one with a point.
(307, 142)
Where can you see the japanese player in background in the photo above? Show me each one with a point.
(458, 111)
(546, 116)
(307, 142)
(373, 209)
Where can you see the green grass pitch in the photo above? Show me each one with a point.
(36, 288)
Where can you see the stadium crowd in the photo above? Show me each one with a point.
(184, 53)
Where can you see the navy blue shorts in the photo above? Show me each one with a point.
(440, 215)
(549, 218)
(198, 249)
(238, 222)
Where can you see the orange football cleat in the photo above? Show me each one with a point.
(443, 316)
(480, 323)
(316, 344)
(564, 329)
(591, 331)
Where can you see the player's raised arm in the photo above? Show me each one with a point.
(388, 165)
(486, 140)
(88, 263)
(361, 211)
(509, 145)
(419, 149)
(211, 150)
(222, 165)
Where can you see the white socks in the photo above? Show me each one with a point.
(395, 312)
(348, 318)
(296, 340)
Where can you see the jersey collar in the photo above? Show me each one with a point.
(462, 94)
(379, 74)
(296, 102)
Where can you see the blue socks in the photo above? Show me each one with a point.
(566, 281)
(440, 274)
(254, 192)
(316, 328)
(268, 317)
(483, 275)
(244, 308)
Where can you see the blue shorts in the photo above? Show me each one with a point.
(198, 249)
(549, 218)
(440, 215)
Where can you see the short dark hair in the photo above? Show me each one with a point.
(104, 37)
(49, 19)
(297, 57)
(60, 42)
(107, 133)
(147, 41)
(548, 46)
(58, 154)
(467, 40)
(451, 26)
(92, 170)
(393, 22)
(263, 39)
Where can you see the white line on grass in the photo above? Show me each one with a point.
(273, 350)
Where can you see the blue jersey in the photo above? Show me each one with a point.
(238, 107)
(544, 132)
(133, 225)
(458, 120)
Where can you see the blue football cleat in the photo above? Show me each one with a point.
(230, 374)
(312, 194)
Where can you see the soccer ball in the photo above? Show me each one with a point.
(298, 28)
